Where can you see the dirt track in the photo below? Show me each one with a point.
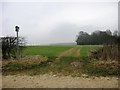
(75, 52)
(52, 81)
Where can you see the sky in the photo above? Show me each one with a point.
(43, 23)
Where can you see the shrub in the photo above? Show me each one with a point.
(9, 46)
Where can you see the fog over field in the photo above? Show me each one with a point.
(44, 23)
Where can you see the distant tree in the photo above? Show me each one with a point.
(108, 32)
(115, 33)
(9, 46)
(82, 37)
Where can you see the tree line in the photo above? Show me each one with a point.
(96, 37)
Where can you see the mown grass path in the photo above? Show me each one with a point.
(79, 51)
(74, 52)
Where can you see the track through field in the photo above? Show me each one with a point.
(74, 52)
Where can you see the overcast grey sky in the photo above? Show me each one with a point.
(57, 22)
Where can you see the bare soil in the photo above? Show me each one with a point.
(53, 81)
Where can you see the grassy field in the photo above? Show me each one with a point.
(49, 51)
(60, 60)
(54, 51)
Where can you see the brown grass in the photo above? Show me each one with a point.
(109, 63)
(26, 60)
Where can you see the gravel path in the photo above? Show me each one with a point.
(53, 81)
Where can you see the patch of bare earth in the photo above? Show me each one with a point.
(53, 81)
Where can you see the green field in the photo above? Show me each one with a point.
(54, 51)
(49, 51)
